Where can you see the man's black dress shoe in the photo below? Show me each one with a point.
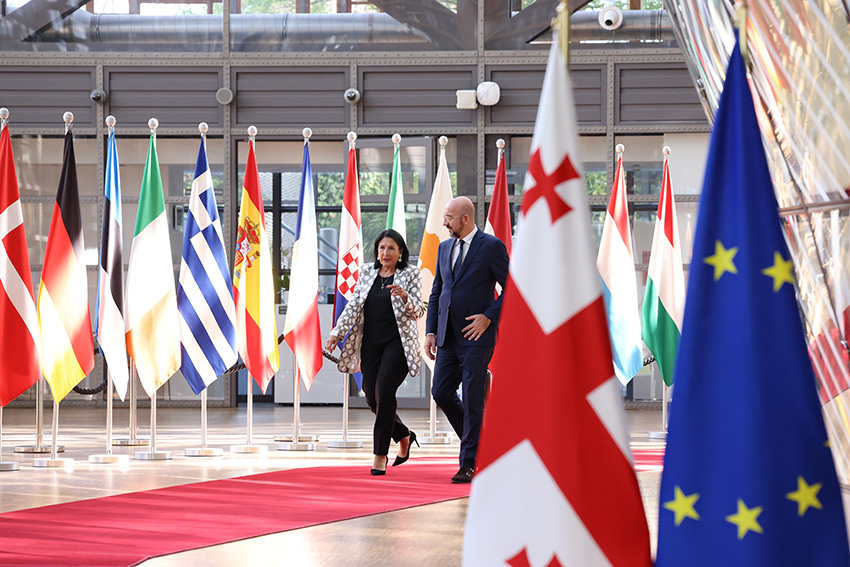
(463, 476)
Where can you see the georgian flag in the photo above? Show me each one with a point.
(555, 484)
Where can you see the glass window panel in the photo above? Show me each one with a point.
(643, 163)
(592, 149)
(38, 161)
(177, 158)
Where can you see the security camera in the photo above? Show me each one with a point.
(611, 18)
(352, 96)
(98, 95)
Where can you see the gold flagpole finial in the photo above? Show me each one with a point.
(561, 23)
(741, 16)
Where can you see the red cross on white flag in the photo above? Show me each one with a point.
(555, 483)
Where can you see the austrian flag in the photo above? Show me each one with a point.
(555, 484)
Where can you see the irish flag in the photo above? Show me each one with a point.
(151, 316)
(434, 233)
(664, 298)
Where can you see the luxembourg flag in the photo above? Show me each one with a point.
(619, 286)
(664, 298)
(301, 329)
(350, 250)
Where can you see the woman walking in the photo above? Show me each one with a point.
(384, 340)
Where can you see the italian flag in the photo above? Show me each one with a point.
(664, 298)
(152, 319)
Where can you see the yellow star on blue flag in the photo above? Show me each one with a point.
(746, 435)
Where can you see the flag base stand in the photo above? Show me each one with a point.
(249, 449)
(204, 452)
(301, 438)
(152, 456)
(38, 449)
(436, 440)
(290, 446)
(9, 466)
(344, 444)
(53, 463)
(109, 459)
(138, 442)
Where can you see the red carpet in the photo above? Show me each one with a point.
(648, 460)
(129, 528)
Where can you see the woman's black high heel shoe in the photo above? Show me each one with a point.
(401, 460)
(379, 472)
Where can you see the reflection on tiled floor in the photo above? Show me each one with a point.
(423, 536)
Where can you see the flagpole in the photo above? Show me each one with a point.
(296, 443)
(434, 438)
(249, 448)
(345, 443)
(39, 446)
(53, 461)
(8, 465)
(133, 440)
(203, 450)
(108, 457)
(152, 454)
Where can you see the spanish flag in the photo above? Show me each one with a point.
(253, 286)
(63, 299)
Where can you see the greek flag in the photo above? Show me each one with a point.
(204, 290)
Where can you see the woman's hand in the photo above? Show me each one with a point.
(398, 291)
(331, 343)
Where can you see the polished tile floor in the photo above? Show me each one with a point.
(425, 536)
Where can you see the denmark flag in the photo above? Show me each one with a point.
(555, 484)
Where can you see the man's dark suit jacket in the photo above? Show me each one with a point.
(472, 292)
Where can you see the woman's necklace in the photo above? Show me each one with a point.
(385, 280)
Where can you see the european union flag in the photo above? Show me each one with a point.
(748, 477)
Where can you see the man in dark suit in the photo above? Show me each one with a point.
(461, 324)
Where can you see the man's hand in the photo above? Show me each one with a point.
(474, 330)
(431, 346)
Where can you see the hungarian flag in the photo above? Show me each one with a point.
(395, 213)
(153, 324)
(109, 324)
(20, 364)
(555, 484)
(499, 216)
(301, 330)
(204, 288)
(664, 297)
(434, 233)
(619, 286)
(63, 296)
(350, 250)
(253, 283)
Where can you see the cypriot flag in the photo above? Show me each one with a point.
(434, 233)
(153, 323)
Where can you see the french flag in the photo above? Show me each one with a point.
(350, 250)
(619, 286)
(301, 330)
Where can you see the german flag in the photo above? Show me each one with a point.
(63, 304)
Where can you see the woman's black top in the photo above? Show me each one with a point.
(379, 324)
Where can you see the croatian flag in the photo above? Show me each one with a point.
(350, 250)
(204, 289)
(619, 286)
(301, 329)
(566, 494)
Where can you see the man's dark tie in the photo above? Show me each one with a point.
(458, 260)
